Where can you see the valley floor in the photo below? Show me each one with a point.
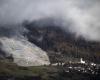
(10, 71)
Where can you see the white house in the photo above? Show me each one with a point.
(81, 61)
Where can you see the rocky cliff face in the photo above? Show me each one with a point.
(24, 53)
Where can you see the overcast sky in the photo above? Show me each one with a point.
(82, 15)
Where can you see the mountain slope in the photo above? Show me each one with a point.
(24, 53)
(61, 45)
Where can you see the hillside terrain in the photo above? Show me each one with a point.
(62, 46)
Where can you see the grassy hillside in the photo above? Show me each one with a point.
(9, 70)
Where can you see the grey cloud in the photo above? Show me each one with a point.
(82, 15)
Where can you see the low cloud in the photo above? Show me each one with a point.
(79, 16)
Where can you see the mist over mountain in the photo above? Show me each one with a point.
(61, 45)
(77, 16)
(56, 26)
(49, 40)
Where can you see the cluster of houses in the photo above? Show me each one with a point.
(70, 62)
(80, 66)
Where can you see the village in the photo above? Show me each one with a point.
(82, 66)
